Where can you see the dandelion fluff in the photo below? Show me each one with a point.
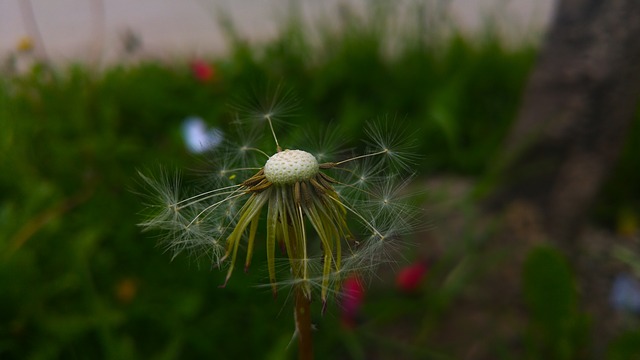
(327, 218)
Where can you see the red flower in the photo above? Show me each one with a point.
(352, 299)
(202, 70)
(410, 277)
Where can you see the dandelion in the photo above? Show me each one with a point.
(328, 218)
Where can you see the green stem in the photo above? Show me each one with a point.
(302, 314)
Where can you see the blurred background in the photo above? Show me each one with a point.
(97, 31)
(92, 91)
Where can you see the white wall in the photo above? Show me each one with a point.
(76, 30)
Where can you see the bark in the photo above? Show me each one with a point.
(577, 108)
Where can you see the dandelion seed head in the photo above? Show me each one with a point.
(290, 166)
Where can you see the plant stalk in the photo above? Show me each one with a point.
(302, 315)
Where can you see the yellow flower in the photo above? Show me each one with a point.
(25, 44)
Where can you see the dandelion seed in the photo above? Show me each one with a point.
(393, 144)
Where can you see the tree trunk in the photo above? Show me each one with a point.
(576, 110)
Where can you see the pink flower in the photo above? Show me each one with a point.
(202, 71)
(410, 277)
(352, 299)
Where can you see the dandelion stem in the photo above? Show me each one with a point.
(302, 315)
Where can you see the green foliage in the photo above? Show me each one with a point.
(557, 329)
(619, 202)
(626, 346)
(77, 277)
